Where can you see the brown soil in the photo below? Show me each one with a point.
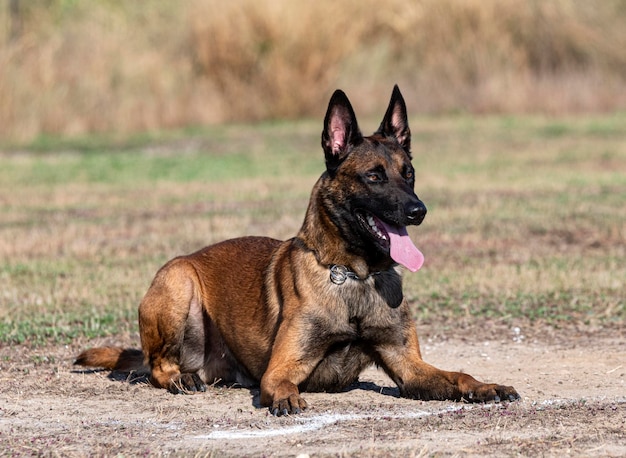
(573, 387)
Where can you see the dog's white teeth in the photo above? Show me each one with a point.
(374, 226)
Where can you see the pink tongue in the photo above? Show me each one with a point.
(402, 249)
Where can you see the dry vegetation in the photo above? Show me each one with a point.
(73, 67)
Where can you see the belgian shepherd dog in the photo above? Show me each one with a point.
(312, 312)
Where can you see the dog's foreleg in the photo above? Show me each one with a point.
(418, 380)
(288, 367)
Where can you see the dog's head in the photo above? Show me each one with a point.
(372, 180)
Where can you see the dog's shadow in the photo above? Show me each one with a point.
(371, 386)
(139, 378)
(364, 386)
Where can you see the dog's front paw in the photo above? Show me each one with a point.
(292, 405)
(491, 392)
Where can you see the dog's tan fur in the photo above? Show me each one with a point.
(257, 310)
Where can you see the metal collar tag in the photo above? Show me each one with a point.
(339, 274)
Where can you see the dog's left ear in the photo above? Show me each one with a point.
(395, 123)
(341, 131)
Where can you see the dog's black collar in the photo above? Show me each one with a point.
(339, 274)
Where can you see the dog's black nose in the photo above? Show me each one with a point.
(415, 212)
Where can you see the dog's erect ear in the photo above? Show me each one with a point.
(395, 123)
(341, 131)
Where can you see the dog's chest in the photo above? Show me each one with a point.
(366, 308)
(375, 294)
(360, 298)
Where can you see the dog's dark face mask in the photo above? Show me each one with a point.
(380, 203)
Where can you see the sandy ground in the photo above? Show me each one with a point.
(572, 383)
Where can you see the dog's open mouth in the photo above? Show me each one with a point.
(393, 238)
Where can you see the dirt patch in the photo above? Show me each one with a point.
(573, 387)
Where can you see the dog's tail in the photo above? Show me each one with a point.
(114, 359)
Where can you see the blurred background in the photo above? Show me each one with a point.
(72, 67)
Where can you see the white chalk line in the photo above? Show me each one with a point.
(313, 423)
(316, 422)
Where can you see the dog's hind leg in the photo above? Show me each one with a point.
(172, 329)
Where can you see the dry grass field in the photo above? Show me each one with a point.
(524, 241)
(73, 67)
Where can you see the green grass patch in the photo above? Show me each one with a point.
(62, 328)
(230, 153)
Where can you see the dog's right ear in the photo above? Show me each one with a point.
(341, 131)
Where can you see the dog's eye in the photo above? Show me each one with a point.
(408, 173)
(374, 177)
